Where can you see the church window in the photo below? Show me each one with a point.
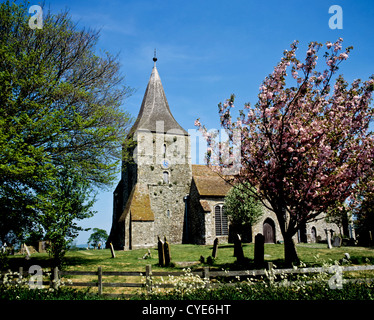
(168, 213)
(164, 150)
(166, 176)
(221, 220)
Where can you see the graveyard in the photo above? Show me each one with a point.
(191, 260)
(188, 255)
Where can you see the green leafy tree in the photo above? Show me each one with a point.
(243, 209)
(365, 219)
(59, 101)
(99, 235)
(60, 105)
(66, 201)
(341, 215)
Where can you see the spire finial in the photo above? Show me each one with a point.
(154, 57)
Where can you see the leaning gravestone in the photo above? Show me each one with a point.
(161, 254)
(167, 252)
(238, 249)
(112, 250)
(259, 250)
(337, 241)
(28, 255)
(215, 248)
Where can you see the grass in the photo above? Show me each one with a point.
(89, 260)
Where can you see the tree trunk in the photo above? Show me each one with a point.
(290, 253)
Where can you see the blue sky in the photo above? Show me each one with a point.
(210, 49)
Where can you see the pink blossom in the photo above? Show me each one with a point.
(343, 56)
(329, 129)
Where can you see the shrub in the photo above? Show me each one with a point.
(270, 287)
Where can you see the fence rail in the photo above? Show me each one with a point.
(206, 273)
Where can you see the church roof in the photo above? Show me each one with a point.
(208, 182)
(155, 109)
(139, 205)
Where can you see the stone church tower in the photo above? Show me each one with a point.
(150, 200)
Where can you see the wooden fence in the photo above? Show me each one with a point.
(205, 273)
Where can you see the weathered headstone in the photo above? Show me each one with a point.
(328, 238)
(259, 250)
(238, 249)
(147, 254)
(215, 248)
(161, 254)
(167, 252)
(28, 255)
(112, 250)
(337, 241)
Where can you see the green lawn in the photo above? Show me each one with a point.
(89, 260)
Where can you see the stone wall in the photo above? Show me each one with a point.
(169, 209)
(196, 217)
(258, 226)
(320, 225)
(142, 234)
(202, 220)
(166, 195)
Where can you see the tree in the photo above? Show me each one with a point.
(66, 200)
(340, 215)
(99, 235)
(60, 105)
(306, 147)
(365, 219)
(242, 208)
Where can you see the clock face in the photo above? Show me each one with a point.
(165, 163)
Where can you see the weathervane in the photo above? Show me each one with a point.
(154, 57)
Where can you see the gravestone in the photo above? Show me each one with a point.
(167, 252)
(161, 254)
(28, 255)
(259, 250)
(112, 250)
(215, 248)
(238, 249)
(328, 238)
(337, 241)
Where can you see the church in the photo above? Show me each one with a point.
(161, 194)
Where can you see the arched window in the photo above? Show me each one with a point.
(166, 176)
(221, 221)
(168, 213)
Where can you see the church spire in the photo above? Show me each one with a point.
(155, 108)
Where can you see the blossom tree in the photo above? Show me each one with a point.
(305, 147)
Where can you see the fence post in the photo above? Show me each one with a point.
(55, 278)
(206, 277)
(100, 280)
(20, 271)
(148, 279)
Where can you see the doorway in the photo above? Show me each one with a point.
(269, 231)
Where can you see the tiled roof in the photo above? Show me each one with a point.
(208, 182)
(155, 114)
(139, 205)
